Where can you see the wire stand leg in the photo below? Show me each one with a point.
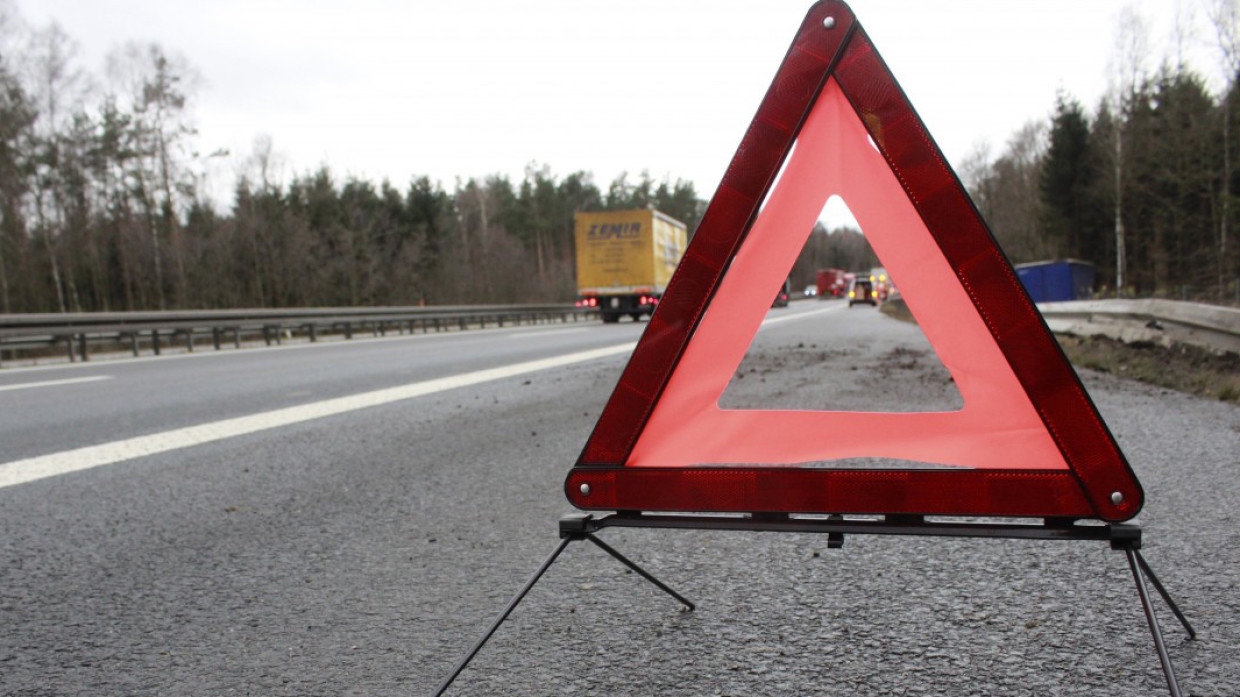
(1148, 607)
(503, 616)
(644, 574)
(1158, 586)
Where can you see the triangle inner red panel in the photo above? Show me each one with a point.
(1028, 441)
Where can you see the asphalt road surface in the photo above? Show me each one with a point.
(346, 519)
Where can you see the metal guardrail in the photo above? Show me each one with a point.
(155, 330)
(1162, 322)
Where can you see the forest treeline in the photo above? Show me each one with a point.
(1148, 194)
(103, 203)
(1144, 184)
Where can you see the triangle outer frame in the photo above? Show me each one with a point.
(1098, 483)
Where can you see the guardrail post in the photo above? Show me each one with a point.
(237, 337)
(189, 340)
(82, 347)
(311, 330)
(155, 341)
(69, 342)
(348, 330)
(133, 343)
(215, 337)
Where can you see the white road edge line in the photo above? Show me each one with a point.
(43, 466)
(53, 383)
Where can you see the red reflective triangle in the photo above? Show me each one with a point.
(1028, 441)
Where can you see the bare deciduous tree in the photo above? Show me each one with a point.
(1225, 18)
(155, 87)
(1127, 72)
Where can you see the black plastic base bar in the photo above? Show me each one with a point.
(1123, 537)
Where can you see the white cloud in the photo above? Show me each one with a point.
(396, 89)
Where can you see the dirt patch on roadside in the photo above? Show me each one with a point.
(1181, 367)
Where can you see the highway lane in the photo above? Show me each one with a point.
(207, 570)
(53, 409)
(362, 553)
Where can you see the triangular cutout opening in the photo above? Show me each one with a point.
(821, 350)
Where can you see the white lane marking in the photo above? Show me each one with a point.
(547, 332)
(40, 467)
(803, 315)
(53, 383)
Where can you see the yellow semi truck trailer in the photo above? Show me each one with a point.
(625, 260)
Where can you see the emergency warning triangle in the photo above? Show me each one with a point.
(1028, 441)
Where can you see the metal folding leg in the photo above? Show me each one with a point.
(1139, 572)
(1121, 536)
(512, 604)
(572, 528)
(1158, 586)
(644, 574)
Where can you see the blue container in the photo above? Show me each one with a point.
(1056, 281)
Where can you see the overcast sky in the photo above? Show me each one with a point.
(393, 89)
